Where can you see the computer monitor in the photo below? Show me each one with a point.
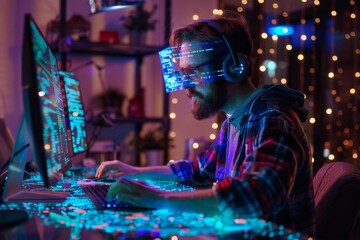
(75, 117)
(43, 126)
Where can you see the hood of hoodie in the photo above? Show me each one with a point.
(279, 95)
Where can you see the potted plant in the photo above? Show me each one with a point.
(138, 22)
(110, 101)
(152, 140)
(152, 143)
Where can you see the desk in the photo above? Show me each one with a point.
(77, 218)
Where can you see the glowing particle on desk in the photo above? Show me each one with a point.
(139, 214)
(146, 218)
(185, 230)
(240, 220)
(80, 211)
(98, 227)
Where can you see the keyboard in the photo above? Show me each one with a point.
(97, 192)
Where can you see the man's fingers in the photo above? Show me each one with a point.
(105, 167)
(99, 171)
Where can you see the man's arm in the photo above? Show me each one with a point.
(203, 200)
(142, 194)
(155, 172)
(116, 168)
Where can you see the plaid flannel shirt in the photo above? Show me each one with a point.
(261, 162)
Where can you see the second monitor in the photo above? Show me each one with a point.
(75, 117)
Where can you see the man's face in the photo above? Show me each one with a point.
(206, 98)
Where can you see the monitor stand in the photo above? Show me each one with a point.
(13, 191)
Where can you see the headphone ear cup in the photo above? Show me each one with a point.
(235, 73)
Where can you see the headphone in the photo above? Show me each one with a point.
(235, 65)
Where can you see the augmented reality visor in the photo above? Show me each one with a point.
(176, 78)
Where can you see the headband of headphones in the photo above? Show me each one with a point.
(234, 65)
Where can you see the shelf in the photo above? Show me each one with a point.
(140, 120)
(136, 52)
(109, 49)
(136, 120)
(125, 120)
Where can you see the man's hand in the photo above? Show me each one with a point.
(115, 165)
(141, 194)
(135, 192)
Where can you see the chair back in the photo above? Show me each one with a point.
(337, 200)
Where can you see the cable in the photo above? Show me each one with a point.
(15, 154)
(93, 139)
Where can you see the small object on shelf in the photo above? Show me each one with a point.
(103, 150)
(110, 101)
(77, 28)
(137, 23)
(151, 139)
(139, 19)
(135, 109)
(109, 36)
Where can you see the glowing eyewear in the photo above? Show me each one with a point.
(176, 78)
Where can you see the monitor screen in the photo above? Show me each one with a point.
(43, 128)
(44, 105)
(75, 116)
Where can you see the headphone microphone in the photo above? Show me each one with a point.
(235, 65)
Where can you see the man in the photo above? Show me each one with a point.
(260, 163)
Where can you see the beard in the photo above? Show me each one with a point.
(206, 105)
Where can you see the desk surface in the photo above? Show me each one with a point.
(78, 218)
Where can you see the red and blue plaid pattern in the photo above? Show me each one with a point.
(271, 174)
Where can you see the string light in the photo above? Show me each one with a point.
(172, 115)
(356, 123)
(301, 55)
(343, 85)
(283, 81)
(195, 145)
(195, 17)
(174, 100)
(240, 9)
(218, 12)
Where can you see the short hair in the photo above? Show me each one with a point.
(236, 31)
